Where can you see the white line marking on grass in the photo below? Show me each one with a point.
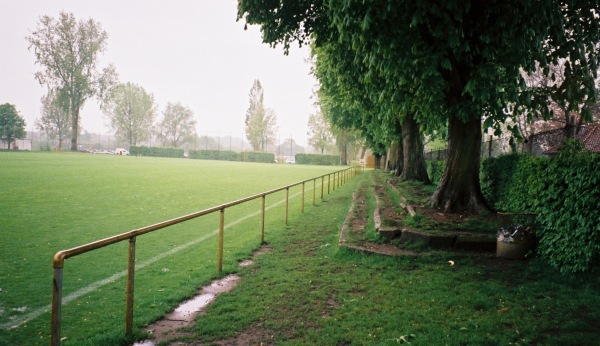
(18, 321)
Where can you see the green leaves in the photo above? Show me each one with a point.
(68, 51)
(131, 111)
(562, 191)
(12, 124)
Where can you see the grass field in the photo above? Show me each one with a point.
(54, 201)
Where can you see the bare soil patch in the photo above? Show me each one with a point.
(429, 227)
(352, 235)
(178, 323)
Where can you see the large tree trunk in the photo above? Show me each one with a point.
(344, 148)
(74, 128)
(363, 151)
(459, 190)
(395, 157)
(377, 161)
(414, 167)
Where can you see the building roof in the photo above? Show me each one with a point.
(590, 137)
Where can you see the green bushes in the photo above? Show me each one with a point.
(435, 169)
(223, 155)
(508, 181)
(564, 193)
(258, 157)
(215, 155)
(314, 159)
(155, 152)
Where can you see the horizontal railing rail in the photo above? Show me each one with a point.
(339, 178)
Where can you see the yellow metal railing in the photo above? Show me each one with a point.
(339, 178)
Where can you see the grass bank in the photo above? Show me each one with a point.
(308, 291)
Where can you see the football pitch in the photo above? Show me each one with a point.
(55, 201)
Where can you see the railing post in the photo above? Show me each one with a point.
(328, 182)
(287, 197)
(56, 307)
(130, 288)
(314, 188)
(221, 231)
(322, 186)
(303, 197)
(262, 220)
(334, 173)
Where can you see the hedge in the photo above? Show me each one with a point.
(258, 157)
(215, 155)
(315, 159)
(155, 151)
(563, 192)
(225, 155)
(435, 169)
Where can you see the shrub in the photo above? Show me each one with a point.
(568, 211)
(315, 159)
(224, 155)
(435, 169)
(563, 191)
(155, 151)
(258, 157)
(508, 181)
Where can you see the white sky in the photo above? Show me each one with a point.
(188, 51)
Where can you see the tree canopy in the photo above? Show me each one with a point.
(177, 126)
(319, 132)
(67, 51)
(445, 62)
(131, 111)
(55, 120)
(12, 124)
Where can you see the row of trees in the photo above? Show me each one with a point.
(396, 71)
(68, 51)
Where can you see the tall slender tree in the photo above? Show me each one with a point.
(261, 122)
(67, 51)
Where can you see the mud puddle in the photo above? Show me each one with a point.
(173, 324)
(183, 316)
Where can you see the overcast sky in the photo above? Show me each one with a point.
(188, 51)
